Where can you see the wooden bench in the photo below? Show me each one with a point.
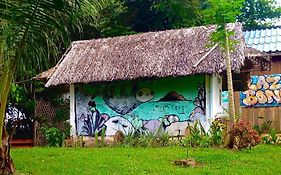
(22, 143)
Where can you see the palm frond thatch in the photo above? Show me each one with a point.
(154, 54)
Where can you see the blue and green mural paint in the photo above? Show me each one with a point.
(144, 106)
(263, 91)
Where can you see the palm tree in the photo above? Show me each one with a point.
(31, 34)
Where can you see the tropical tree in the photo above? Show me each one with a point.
(154, 15)
(222, 12)
(32, 32)
(259, 13)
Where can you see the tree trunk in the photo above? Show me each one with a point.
(6, 163)
(231, 107)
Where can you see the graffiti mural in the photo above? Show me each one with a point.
(151, 106)
(224, 100)
(263, 91)
(127, 103)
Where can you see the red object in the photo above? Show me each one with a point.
(22, 143)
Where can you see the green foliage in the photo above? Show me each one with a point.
(265, 127)
(272, 138)
(199, 138)
(165, 138)
(181, 13)
(146, 140)
(256, 13)
(66, 129)
(195, 139)
(107, 22)
(222, 12)
(54, 136)
(103, 136)
(132, 140)
(17, 93)
(60, 105)
(217, 133)
(33, 34)
(273, 135)
(21, 99)
(62, 114)
(147, 15)
(96, 139)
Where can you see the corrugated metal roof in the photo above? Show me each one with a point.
(265, 40)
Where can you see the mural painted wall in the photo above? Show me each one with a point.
(225, 100)
(150, 106)
(263, 91)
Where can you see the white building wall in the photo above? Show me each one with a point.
(215, 95)
(72, 110)
(207, 96)
(213, 89)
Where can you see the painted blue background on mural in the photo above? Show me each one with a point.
(141, 106)
(264, 90)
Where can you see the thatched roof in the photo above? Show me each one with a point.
(154, 54)
(46, 75)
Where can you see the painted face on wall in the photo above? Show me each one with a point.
(92, 105)
(144, 95)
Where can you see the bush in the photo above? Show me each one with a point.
(217, 132)
(264, 128)
(197, 137)
(272, 138)
(244, 136)
(54, 136)
(165, 139)
(148, 140)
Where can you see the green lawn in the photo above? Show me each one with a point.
(263, 159)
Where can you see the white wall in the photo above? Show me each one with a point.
(72, 110)
(215, 96)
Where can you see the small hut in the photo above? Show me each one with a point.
(149, 82)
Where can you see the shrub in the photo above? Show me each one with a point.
(165, 139)
(197, 136)
(264, 128)
(244, 135)
(272, 138)
(54, 136)
(103, 136)
(145, 140)
(217, 132)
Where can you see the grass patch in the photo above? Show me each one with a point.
(263, 159)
